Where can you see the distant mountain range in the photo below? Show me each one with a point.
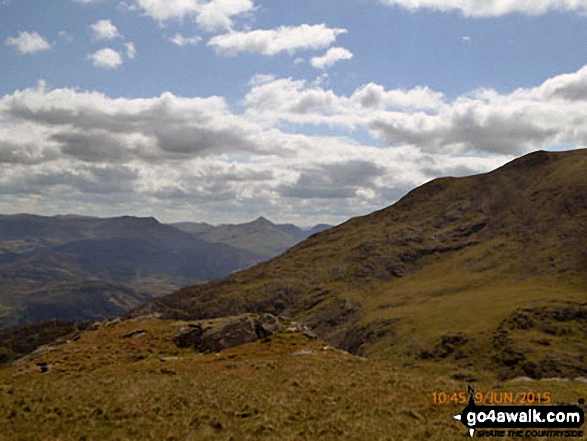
(481, 272)
(84, 268)
(260, 237)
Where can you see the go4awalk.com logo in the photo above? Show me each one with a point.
(522, 421)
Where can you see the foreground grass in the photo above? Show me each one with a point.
(108, 385)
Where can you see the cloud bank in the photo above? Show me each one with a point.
(196, 158)
(492, 8)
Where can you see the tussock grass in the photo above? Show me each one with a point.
(108, 386)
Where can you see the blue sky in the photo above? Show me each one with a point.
(301, 111)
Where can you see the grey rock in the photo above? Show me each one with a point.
(232, 332)
(135, 334)
(189, 336)
(266, 325)
(216, 335)
(303, 329)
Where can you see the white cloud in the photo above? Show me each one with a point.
(162, 10)
(217, 14)
(492, 8)
(97, 128)
(28, 43)
(85, 151)
(171, 154)
(374, 96)
(211, 15)
(284, 98)
(180, 40)
(273, 41)
(484, 121)
(131, 51)
(258, 79)
(331, 57)
(106, 58)
(105, 30)
(300, 102)
(66, 36)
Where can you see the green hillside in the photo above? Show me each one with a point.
(444, 277)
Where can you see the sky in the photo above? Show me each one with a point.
(302, 111)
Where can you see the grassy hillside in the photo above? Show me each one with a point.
(21, 340)
(441, 278)
(128, 381)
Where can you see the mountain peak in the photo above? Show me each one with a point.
(262, 221)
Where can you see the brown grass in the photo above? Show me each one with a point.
(107, 386)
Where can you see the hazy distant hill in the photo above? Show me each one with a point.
(261, 236)
(193, 227)
(486, 271)
(82, 268)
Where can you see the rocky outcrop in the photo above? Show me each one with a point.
(215, 335)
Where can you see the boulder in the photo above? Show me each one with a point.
(216, 335)
(266, 325)
(189, 336)
(234, 331)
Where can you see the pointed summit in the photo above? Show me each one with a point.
(262, 221)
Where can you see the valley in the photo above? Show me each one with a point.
(82, 268)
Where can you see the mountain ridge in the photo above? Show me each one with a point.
(511, 240)
(121, 261)
(260, 236)
(55, 264)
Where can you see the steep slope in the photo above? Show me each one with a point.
(81, 268)
(486, 271)
(260, 236)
